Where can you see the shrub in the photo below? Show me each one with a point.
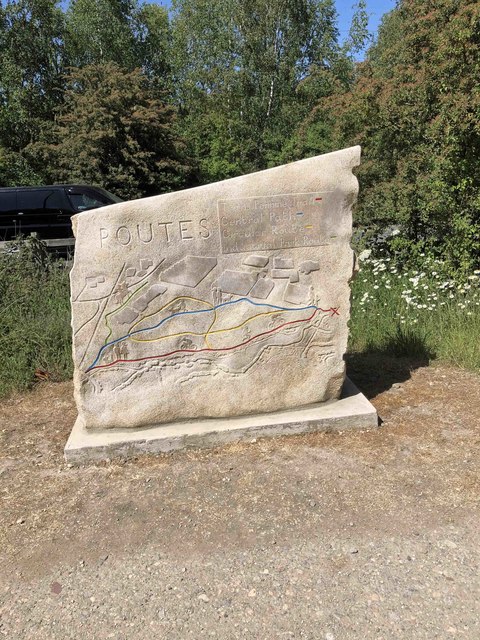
(35, 340)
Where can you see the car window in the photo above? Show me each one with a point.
(81, 201)
(39, 199)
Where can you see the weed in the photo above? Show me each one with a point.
(421, 314)
(35, 334)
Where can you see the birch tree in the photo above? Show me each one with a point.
(241, 72)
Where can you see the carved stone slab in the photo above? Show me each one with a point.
(224, 300)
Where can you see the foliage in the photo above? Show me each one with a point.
(31, 57)
(98, 31)
(131, 34)
(241, 75)
(417, 313)
(15, 169)
(35, 340)
(114, 131)
(415, 109)
(247, 86)
(246, 73)
(152, 38)
(38, 41)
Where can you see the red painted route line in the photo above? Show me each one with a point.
(171, 353)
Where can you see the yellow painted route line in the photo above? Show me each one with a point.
(239, 326)
(174, 335)
(209, 332)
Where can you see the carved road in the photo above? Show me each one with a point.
(209, 309)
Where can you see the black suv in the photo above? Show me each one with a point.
(47, 210)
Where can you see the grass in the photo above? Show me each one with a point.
(419, 314)
(35, 334)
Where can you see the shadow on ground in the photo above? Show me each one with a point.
(375, 369)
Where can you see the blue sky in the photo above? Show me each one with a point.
(375, 8)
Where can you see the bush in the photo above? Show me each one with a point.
(35, 336)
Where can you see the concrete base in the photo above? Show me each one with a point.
(351, 411)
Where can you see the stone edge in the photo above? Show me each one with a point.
(351, 411)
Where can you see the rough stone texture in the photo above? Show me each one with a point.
(171, 320)
(351, 411)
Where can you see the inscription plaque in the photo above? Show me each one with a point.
(262, 223)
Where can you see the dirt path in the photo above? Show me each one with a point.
(356, 535)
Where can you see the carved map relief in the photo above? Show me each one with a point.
(238, 303)
(143, 325)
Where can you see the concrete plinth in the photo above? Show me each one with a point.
(352, 411)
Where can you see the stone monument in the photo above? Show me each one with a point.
(221, 309)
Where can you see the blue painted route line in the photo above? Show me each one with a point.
(186, 313)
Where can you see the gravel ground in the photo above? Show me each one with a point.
(361, 535)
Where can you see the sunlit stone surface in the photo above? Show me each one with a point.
(224, 300)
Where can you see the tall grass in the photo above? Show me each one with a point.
(416, 313)
(35, 341)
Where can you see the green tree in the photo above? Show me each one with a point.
(99, 31)
(31, 66)
(246, 73)
(15, 170)
(152, 36)
(113, 130)
(129, 33)
(415, 109)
